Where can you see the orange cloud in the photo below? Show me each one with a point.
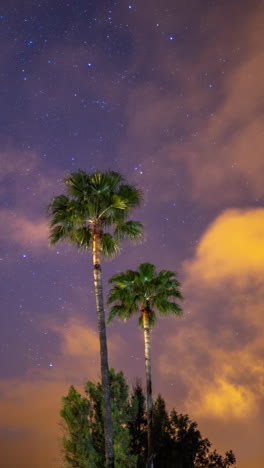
(227, 401)
(231, 249)
(77, 338)
(216, 353)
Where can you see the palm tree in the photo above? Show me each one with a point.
(144, 291)
(93, 215)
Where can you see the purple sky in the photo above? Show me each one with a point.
(170, 94)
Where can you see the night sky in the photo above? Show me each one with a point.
(170, 94)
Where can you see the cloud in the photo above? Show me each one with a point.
(76, 337)
(231, 249)
(23, 232)
(200, 113)
(26, 190)
(215, 355)
(226, 400)
(227, 153)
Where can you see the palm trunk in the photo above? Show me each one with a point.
(108, 426)
(149, 386)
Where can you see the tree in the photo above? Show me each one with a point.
(177, 440)
(83, 440)
(94, 215)
(137, 424)
(144, 291)
(77, 441)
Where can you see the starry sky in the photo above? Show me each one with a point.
(170, 94)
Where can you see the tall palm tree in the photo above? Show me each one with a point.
(94, 215)
(144, 291)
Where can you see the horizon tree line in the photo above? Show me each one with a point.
(178, 441)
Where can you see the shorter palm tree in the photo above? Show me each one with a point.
(144, 291)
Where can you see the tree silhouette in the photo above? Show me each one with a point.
(177, 441)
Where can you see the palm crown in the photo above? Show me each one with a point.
(98, 202)
(144, 290)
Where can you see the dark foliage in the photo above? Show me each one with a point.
(177, 441)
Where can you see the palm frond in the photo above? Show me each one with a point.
(131, 194)
(166, 275)
(57, 204)
(60, 232)
(110, 216)
(82, 237)
(115, 294)
(109, 246)
(120, 311)
(174, 292)
(65, 211)
(129, 230)
(115, 311)
(124, 279)
(146, 272)
(166, 307)
(123, 296)
(78, 184)
(118, 202)
(105, 182)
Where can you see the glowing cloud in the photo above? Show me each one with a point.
(232, 248)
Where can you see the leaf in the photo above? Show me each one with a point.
(109, 246)
(58, 233)
(58, 204)
(146, 272)
(118, 202)
(82, 237)
(105, 182)
(78, 184)
(115, 311)
(131, 194)
(128, 230)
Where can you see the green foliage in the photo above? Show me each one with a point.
(98, 199)
(77, 443)
(129, 230)
(177, 440)
(109, 245)
(133, 291)
(83, 442)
